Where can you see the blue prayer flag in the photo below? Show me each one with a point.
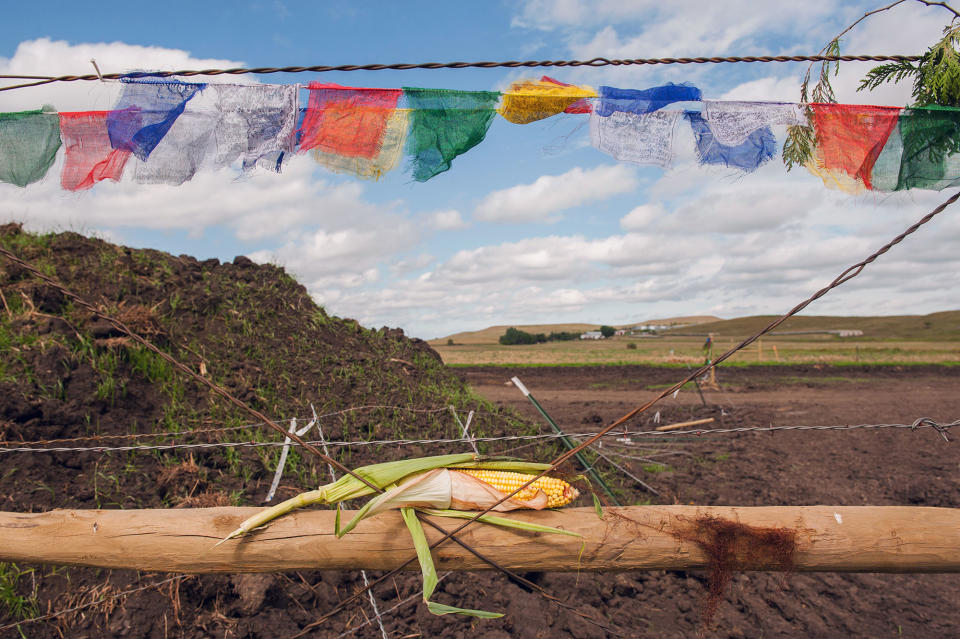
(642, 101)
(145, 113)
(747, 156)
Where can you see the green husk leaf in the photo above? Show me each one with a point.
(429, 571)
(443, 609)
(597, 506)
(500, 521)
(380, 475)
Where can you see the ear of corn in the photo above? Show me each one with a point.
(349, 487)
(559, 493)
(423, 481)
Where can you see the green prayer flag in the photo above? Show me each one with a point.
(28, 145)
(444, 124)
(931, 148)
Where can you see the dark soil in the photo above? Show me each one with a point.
(65, 374)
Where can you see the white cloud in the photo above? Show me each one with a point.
(450, 220)
(657, 29)
(770, 89)
(642, 217)
(550, 194)
(257, 207)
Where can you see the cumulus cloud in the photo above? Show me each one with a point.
(549, 194)
(642, 217)
(659, 29)
(254, 208)
(450, 220)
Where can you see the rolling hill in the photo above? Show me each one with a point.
(944, 325)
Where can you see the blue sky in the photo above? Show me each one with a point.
(533, 225)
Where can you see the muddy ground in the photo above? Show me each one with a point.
(880, 467)
(860, 467)
(68, 379)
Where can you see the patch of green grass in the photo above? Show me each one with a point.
(687, 386)
(18, 606)
(655, 468)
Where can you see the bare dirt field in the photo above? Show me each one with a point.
(858, 467)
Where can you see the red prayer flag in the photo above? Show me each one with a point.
(347, 121)
(850, 138)
(89, 158)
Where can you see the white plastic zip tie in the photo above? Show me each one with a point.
(283, 454)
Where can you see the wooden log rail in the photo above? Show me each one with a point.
(801, 538)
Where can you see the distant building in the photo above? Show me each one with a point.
(653, 328)
(848, 332)
(591, 335)
(621, 331)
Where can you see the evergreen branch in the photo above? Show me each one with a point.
(893, 72)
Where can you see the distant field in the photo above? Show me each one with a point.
(492, 334)
(935, 326)
(683, 351)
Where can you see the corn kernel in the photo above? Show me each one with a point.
(559, 493)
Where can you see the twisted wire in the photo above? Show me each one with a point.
(223, 429)
(404, 66)
(923, 422)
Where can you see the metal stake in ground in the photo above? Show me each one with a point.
(566, 441)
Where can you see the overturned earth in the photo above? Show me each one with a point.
(68, 379)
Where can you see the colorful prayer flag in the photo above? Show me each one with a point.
(391, 149)
(849, 141)
(642, 101)
(930, 137)
(145, 112)
(531, 100)
(88, 156)
(347, 121)
(445, 124)
(640, 138)
(758, 147)
(28, 145)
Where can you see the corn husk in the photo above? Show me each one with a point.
(425, 485)
(440, 488)
(349, 487)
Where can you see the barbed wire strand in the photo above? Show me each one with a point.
(224, 429)
(845, 276)
(923, 422)
(40, 80)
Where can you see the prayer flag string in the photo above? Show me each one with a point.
(165, 131)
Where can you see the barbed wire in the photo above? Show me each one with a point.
(223, 429)
(404, 66)
(923, 422)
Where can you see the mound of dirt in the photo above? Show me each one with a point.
(69, 379)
